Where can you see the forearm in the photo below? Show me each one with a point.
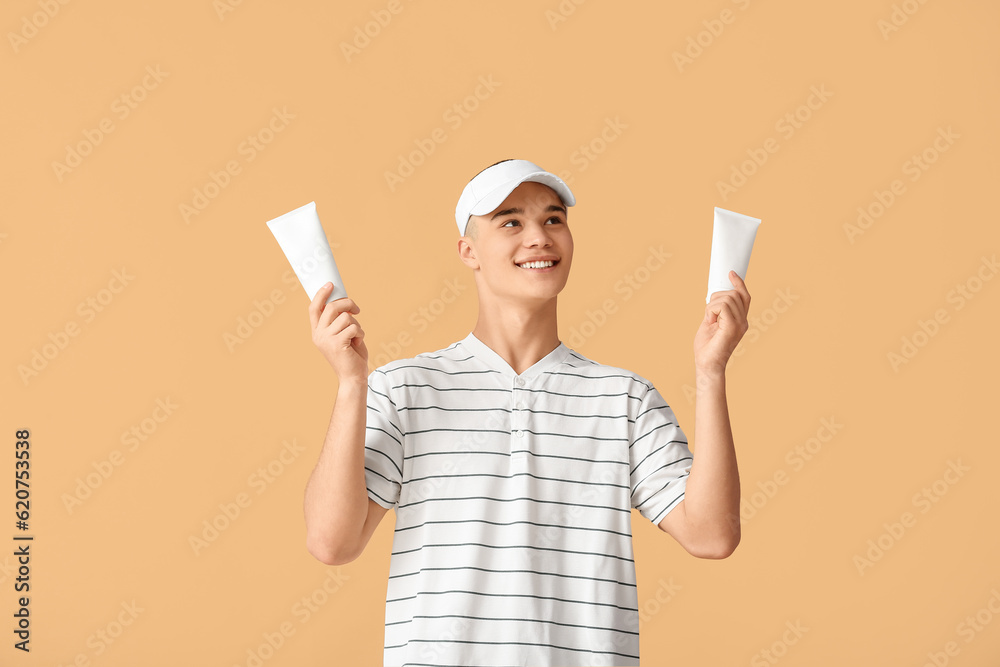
(336, 497)
(712, 493)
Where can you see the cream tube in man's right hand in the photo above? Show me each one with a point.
(732, 241)
(302, 239)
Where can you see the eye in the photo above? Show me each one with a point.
(555, 218)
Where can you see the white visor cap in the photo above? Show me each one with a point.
(491, 186)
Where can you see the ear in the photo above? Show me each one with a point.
(467, 253)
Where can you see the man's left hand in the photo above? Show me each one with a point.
(724, 325)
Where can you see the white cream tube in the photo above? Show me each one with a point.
(301, 237)
(732, 241)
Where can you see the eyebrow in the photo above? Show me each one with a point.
(510, 211)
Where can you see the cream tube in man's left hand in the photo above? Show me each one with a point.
(732, 241)
(301, 237)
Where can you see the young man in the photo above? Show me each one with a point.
(513, 461)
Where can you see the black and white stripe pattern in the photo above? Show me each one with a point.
(513, 497)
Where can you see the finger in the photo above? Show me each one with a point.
(317, 303)
(721, 294)
(727, 309)
(335, 307)
(336, 317)
(350, 333)
(344, 334)
(712, 310)
(359, 344)
(736, 320)
(727, 313)
(733, 304)
(741, 289)
(318, 306)
(720, 297)
(327, 288)
(740, 300)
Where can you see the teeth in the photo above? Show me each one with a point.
(536, 265)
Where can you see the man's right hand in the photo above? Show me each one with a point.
(338, 335)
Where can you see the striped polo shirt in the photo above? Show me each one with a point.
(513, 496)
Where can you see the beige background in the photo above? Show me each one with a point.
(828, 310)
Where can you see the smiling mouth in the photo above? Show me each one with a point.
(538, 266)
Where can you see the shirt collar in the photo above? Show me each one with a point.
(488, 356)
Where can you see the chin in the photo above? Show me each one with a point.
(549, 292)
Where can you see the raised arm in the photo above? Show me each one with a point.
(340, 518)
(707, 522)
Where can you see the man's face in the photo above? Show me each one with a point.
(531, 223)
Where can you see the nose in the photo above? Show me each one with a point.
(537, 235)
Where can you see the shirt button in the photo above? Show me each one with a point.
(520, 382)
(520, 405)
(519, 433)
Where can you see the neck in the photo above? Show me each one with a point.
(521, 333)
